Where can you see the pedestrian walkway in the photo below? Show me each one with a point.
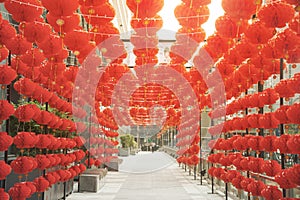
(166, 181)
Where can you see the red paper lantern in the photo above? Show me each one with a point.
(20, 191)
(271, 193)
(3, 194)
(5, 170)
(27, 10)
(253, 142)
(5, 141)
(63, 24)
(276, 14)
(41, 184)
(33, 58)
(25, 140)
(293, 113)
(25, 86)
(236, 182)
(42, 161)
(191, 16)
(50, 178)
(6, 32)
(24, 113)
(96, 15)
(145, 8)
(3, 53)
(60, 7)
(280, 114)
(239, 8)
(258, 33)
(32, 187)
(268, 143)
(271, 167)
(7, 74)
(283, 180)
(281, 143)
(23, 165)
(256, 187)
(230, 28)
(18, 45)
(35, 32)
(293, 174)
(245, 182)
(255, 164)
(6, 110)
(293, 144)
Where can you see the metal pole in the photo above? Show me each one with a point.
(282, 125)
(7, 121)
(200, 145)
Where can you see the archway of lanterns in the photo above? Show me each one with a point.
(251, 44)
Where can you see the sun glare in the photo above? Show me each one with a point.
(171, 24)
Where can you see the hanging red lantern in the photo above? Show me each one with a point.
(7, 74)
(44, 118)
(96, 15)
(60, 7)
(271, 193)
(293, 174)
(43, 141)
(281, 143)
(253, 120)
(245, 182)
(145, 8)
(20, 191)
(3, 53)
(146, 26)
(27, 10)
(276, 15)
(42, 161)
(6, 109)
(23, 165)
(240, 143)
(5, 141)
(3, 194)
(244, 163)
(91, 2)
(51, 46)
(240, 9)
(18, 45)
(5, 170)
(236, 182)
(24, 113)
(25, 140)
(271, 167)
(6, 32)
(255, 164)
(268, 121)
(268, 143)
(32, 187)
(258, 33)
(256, 187)
(280, 114)
(230, 28)
(63, 24)
(283, 181)
(25, 86)
(294, 144)
(191, 16)
(35, 31)
(293, 113)
(33, 58)
(50, 178)
(254, 141)
(41, 184)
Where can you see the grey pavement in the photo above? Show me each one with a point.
(149, 176)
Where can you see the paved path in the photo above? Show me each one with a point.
(162, 180)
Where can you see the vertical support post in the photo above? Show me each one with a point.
(282, 125)
(212, 151)
(200, 145)
(89, 154)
